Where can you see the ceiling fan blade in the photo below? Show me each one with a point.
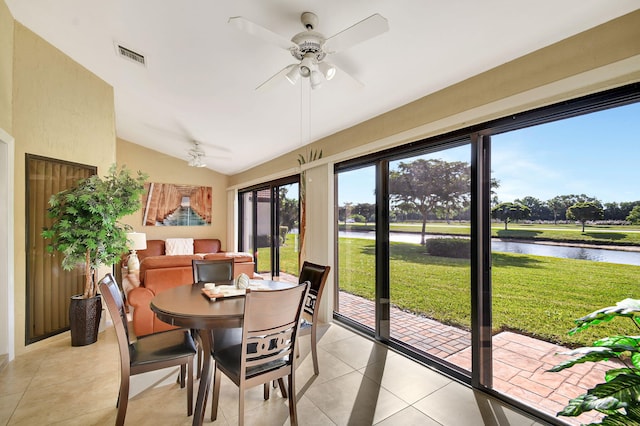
(341, 71)
(274, 78)
(368, 28)
(261, 32)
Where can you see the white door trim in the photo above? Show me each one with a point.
(7, 285)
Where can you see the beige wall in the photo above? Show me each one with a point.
(6, 66)
(598, 59)
(60, 110)
(165, 169)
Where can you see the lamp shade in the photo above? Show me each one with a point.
(328, 70)
(293, 74)
(137, 240)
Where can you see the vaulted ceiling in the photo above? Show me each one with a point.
(200, 73)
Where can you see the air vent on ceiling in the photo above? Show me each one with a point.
(131, 55)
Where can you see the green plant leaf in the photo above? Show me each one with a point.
(629, 308)
(590, 354)
(587, 402)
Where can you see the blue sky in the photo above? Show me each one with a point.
(597, 154)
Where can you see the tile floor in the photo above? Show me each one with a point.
(520, 362)
(360, 383)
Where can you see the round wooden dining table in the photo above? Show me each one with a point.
(187, 306)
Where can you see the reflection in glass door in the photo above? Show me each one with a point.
(269, 228)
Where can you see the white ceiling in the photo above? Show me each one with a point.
(201, 72)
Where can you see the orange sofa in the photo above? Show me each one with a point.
(159, 272)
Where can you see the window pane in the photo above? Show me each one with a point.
(356, 245)
(288, 226)
(553, 263)
(429, 253)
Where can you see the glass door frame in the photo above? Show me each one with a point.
(273, 188)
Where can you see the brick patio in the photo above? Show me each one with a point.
(519, 362)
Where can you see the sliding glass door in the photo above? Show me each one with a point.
(269, 226)
(475, 251)
(404, 250)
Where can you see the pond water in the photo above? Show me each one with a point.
(538, 249)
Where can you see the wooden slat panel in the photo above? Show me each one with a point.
(49, 288)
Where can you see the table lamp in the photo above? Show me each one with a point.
(137, 241)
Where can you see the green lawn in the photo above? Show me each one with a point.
(535, 295)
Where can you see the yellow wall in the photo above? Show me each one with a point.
(6, 66)
(60, 110)
(165, 169)
(601, 58)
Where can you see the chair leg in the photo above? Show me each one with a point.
(190, 387)
(216, 394)
(183, 370)
(314, 349)
(265, 391)
(241, 404)
(293, 411)
(282, 388)
(123, 401)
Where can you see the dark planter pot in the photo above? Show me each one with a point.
(84, 319)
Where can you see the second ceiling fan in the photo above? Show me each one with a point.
(311, 47)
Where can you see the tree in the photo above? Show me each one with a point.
(428, 185)
(584, 211)
(561, 203)
(634, 216)
(558, 206)
(508, 212)
(366, 210)
(539, 209)
(289, 210)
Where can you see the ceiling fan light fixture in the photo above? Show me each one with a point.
(308, 65)
(293, 75)
(328, 70)
(316, 79)
(196, 162)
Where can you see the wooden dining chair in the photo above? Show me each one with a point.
(212, 270)
(317, 277)
(209, 271)
(148, 353)
(264, 349)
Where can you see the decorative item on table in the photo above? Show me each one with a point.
(221, 291)
(136, 241)
(242, 281)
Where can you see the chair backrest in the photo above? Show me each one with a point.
(212, 270)
(115, 304)
(317, 277)
(271, 320)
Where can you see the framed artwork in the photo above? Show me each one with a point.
(170, 204)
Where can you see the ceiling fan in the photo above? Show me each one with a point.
(311, 48)
(196, 155)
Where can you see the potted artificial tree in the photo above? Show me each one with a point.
(85, 229)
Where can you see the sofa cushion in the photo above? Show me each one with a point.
(206, 245)
(236, 256)
(158, 280)
(162, 262)
(154, 248)
(178, 246)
